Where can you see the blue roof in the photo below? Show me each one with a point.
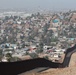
(55, 21)
(71, 38)
(61, 17)
(7, 44)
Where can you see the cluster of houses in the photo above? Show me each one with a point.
(22, 34)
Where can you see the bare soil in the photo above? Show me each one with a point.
(71, 70)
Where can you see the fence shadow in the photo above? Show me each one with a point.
(15, 68)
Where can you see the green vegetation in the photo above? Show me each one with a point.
(39, 51)
(1, 55)
(11, 59)
(46, 57)
(33, 55)
(54, 39)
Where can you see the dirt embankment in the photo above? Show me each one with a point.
(65, 71)
(71, 70)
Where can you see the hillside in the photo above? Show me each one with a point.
(71, 70)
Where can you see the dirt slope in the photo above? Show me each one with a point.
(71, 70)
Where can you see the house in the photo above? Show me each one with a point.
(17, 55)
(25, 49)
(4, 59)
(33, 49)
(55, 55)
(56, 22)
(18, 22)
(53, 29)
(46, 47)
(55, 34)
(8, 50)
(14, 46)
(58, 50)
(2, 46)
(73, 18)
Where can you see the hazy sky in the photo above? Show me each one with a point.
(38, 4)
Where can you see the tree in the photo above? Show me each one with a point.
(33, 55)
(12, 59)
(23, 45)
(1, 55)
(41, 46)
(38, 14)
(39, 51)
(9, 56)
(6, 46)
(46, 57)
(6, 17)
(54, 39)
(46, 28)
(50, 33)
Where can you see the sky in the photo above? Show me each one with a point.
(38, 4)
